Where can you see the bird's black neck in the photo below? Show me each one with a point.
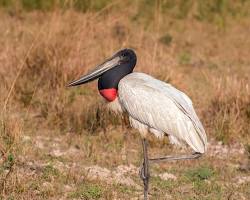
(111, 78)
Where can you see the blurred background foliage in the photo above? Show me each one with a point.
(49, 5)
(199, 46)
(166, 22)
(204, 10)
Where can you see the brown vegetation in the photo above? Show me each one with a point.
(41, 51)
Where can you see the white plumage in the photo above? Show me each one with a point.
(157, 107)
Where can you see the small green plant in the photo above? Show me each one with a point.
(166, 39)
(87, 191)
(199, 174)
(8, 164)
(49, 171)
(10, 161)
(185, 58)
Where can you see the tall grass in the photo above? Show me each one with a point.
(206, 10)
(41, 51)
(217, 12)
(228, 113)
(49, 5)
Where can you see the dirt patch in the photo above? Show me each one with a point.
(117, 176)
(221, 151)
(167, 176)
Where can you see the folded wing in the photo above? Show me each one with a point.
(162, 107)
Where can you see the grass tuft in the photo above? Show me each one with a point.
(87, 191)
(200, 174)
(185, 58)
(49, 172)
(166, 39)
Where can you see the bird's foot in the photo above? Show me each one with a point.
(144, 175)
(143, 172)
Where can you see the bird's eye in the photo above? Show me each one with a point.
(125, 54)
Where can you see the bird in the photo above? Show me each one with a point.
(153, 107)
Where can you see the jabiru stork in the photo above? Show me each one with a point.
(153, 106)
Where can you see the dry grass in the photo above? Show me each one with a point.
(40, 52)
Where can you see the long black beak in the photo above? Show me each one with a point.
(98, 71)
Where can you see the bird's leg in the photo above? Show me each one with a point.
(144, 170)
(181, 157)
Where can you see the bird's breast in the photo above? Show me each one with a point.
(109, 94)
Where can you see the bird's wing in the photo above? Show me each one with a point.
(162, 107)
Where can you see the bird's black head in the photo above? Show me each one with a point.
(127, 56)
(126, 64)
(110, 73)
